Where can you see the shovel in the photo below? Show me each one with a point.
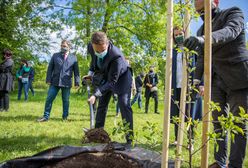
(87, 82)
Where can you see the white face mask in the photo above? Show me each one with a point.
(102, 54)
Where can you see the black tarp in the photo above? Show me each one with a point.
(146, 158)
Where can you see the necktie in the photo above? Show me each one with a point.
(65, 56)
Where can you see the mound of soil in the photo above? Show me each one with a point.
(97, 160)
(97, 135)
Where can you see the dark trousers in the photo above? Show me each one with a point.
(155, 97)
(4, 100)
(229, 99)
(125, 108)
(31, 86)
(51, 95)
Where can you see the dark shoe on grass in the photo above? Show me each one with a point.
(42, 119)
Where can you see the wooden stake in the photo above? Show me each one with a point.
(207, 81)
(182, 111)
(167, 98)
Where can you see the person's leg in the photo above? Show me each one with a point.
(147, 103)
(51, 95)
(155, 96)
(238, 99)
(6, 101)
(102, 109)
(126, 113)
(219, 96)
(139, 100)
(20, 85)
(1, 100)
(117, 108)
(31, 86)
(134, 99)
(65, 101)
(26, 88)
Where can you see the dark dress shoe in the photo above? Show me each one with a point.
(214, 165)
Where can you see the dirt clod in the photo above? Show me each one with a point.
(97, 135)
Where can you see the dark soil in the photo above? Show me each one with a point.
(97, 135)
(96, 160)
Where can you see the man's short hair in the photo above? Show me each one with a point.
(67, 42)
(99, 38)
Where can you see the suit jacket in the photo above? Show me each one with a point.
(59, 71)
(229, 53)
(151, 78)
(115, 70)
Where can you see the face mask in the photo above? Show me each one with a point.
(102, 54)
(179, 39)
(151, 70)
(64, 49)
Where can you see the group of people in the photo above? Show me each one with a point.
(111, 73)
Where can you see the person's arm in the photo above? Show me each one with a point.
(113, 76)
(6, 64)
(156, 79)
(234, 24)
(50, 70)
(76, 73)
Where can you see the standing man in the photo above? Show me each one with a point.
(115, 76)
(6, 79)
(138, 85)
(59, 77)
(150, 83)
(229, 77)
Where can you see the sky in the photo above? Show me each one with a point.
(224, 4)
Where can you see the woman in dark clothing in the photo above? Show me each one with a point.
(6, 79)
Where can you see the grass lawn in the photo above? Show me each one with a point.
(21, 135)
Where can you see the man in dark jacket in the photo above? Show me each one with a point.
(59, 76)
(6, 79)
(138, 85)
(115, 76)
(150, 83)
(229, 76)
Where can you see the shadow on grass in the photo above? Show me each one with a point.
(33, 144)
(34, 118)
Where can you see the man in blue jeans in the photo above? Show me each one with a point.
(59, 76)
(138, 85)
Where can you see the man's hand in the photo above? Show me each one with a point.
(193, 42)
(92, 99)
(201, 90)
(149, 85)
(87, 77)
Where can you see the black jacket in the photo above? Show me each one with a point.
(151, 78)
(115, 70)
(59, 71)
(229, 53)
(138, 83)
(6, 77)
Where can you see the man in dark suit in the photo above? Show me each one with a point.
(150, 83)
(229, 77)
(115, 76)
(59, 76)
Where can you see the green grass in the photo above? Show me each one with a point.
(21, 135)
